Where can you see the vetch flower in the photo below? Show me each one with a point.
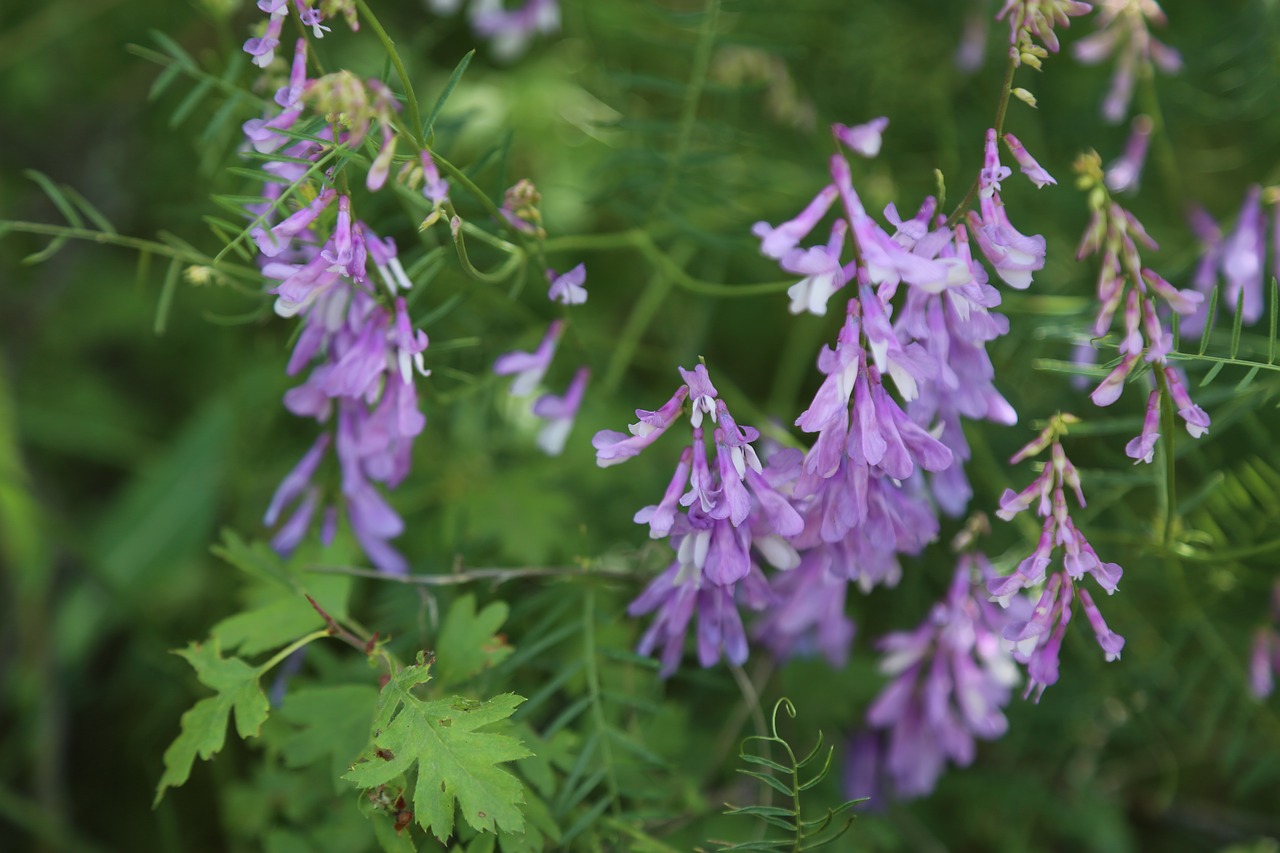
(529, 368)
(1038, 638)
(560, 412)
(568, 289)
(776, 242)
(863, 139)
(1142, 448)
(1033, 170)
(1123, 174)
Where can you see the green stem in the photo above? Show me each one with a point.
(1001, 110)
(126, 242)
(411, 100)
(291, 648)
(460, 246)
(638, 322)
(693, 96)
(593, 685)
(1169, 427)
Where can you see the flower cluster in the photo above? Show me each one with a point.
(508, 30)
(1124, 32)
(888, 445)
(951, 677)
(721, 520)
(1123, 281)
(1038, 639)
(1032, 21)
(346, 283)
(1237, 260)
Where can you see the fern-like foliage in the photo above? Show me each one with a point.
(791, 778)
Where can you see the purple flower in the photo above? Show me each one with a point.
(560, 412)
(529, 368)
(1034, 172)
(823, 275)
(263, 48)
(1264, 662)
(568, 289)
(296, 481)
(1123, 174)
(863, 139)
(434, 188)
(290, 93)
(615, 447)
(1038, 638)
(951, 678)
(510, 30)
(1142, 448)
(1194, 416)
(1243, 256)
(776, 242)
(275, 241)
(1123, 30)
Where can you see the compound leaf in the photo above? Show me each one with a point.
(456, 761)
(204, 726)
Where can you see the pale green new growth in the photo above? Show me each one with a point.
(455, 760)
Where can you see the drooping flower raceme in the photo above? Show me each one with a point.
(1124, 32)
(1140, 295)
(728, 521)
(1038, 639)
(951, 678)
(357, 340)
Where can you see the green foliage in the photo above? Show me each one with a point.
(786, 778)
(455, 761)
(204, 727)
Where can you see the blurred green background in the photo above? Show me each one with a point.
(123, 452)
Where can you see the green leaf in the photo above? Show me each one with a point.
(279, 616)
(204, 726)
(429, 125)
(456, 761)
(331, 722)
(469, 642)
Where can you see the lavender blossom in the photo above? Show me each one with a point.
(568, 289)
(1124, 32)
(1038, 639)
(951, 678)
(1123, 174)
(1014, 255)
(560, 412)
(529, 368)
(862, 139)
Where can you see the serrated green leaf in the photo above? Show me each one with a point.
(331, 722)
(540, 830)
(204, 726)
(456, 761)
(469, 642)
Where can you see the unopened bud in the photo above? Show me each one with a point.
(1028, 58)
(1024, 96)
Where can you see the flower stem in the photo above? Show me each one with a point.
(1002, 108)
(1169, 429)
(291, 648)
(411, 100)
